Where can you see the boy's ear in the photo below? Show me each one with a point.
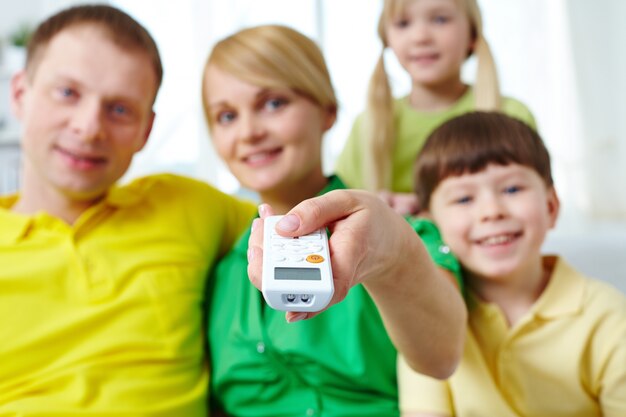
(554, 205)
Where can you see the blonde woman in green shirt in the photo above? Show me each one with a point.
(431, 39)
(101, 290)
(269, 100)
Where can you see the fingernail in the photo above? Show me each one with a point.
(262, 210)
(289, 223)
(296, 317)
(250, 255)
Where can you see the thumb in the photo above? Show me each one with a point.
(318, 212)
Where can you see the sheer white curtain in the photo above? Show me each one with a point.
(598, 36)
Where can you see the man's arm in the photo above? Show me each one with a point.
(424, 314)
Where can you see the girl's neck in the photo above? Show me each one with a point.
(516, 293)
(282, 199)
(433, 98)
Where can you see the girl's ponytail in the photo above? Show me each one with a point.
(378, 125)
(486, 86)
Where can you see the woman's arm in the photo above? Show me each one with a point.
(423, 313)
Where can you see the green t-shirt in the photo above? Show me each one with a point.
(339, 364)
(412, 130)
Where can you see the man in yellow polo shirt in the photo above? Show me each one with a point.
(101, 287)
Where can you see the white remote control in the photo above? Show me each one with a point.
(296, 271)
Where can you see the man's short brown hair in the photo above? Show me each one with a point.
(123, 30)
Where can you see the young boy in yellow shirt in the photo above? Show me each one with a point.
(542, 339)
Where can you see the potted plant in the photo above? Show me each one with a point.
(15, 51)
(20, 37)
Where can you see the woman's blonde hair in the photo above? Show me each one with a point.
(274, 56)
(379, 129)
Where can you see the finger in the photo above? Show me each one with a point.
(255, 253)
(255, 265)
(265, 210)
(256, 234)
(294, 316)
(345, 256)
(317, 212)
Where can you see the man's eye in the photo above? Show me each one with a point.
(67, 92)
(119, 110)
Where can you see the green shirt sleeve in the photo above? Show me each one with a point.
(438, 250)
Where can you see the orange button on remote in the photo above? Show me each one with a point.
(315, 259)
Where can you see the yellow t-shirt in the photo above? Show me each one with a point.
(104, 317)
(565, 358)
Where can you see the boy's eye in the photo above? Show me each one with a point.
(512, 189)
(462, 200)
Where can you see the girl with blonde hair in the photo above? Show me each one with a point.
(431, 40)
(269, 99)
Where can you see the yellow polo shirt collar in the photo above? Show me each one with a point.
(129, 195)
(15, 226)
(563, 296)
